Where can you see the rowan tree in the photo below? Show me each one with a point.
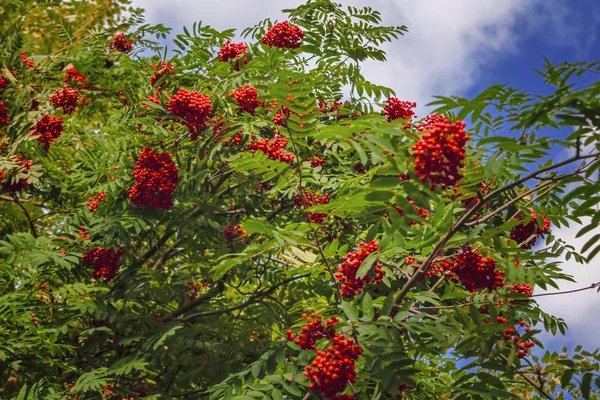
(252, 218)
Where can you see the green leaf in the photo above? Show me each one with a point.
(366, 265)
(367, 308)
(350, 310)
(292, 389)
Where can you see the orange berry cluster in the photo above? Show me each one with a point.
(272, 148)
(332, 370)
(398, 109)
(195, 288)
(65, 98)
(440, 153)
(74, 75)
(527, 235)
(26, 61)
(283, 35)
(313, 331)
(194, 108)
(233, 231)
(156, 179)
(352, 285)
(234, 51)
(475, 272)
(104, 261)
(92, 202)
(161, 70)
(247, 98)
(47, 130)
(121, 43)
(309, 200)
(4, 116)
(316, 161)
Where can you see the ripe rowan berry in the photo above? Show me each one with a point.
(92, 202)
(397, 109)
(104, 261)
(156, 179)
(161, 70)
(73, 75)
(283, 35)
(65, 98)
(4, 116)
(476, 272)
(47, 130)
(194, 108)
(120, 43)
(351, 285)
(233, 51)
(247, 98)
(527, 235)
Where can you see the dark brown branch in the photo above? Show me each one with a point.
(29, 220)
(214, 292)
(537, 387)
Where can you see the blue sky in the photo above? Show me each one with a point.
(456, 47)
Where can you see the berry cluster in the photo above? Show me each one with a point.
(161, 70)
(272, 148)
(324, 107)
(527, 235)
(121, 43)
(156, 179)
(3, 82)
(104, 261)
(518, 288)
(83, 233)
(430, 121)
(422, 212)
(476, 272)
(4, 117)
(281, 115)
(351, 285)
(439, 269)
(194, 108)
(309, 200)
(47, 130)
(92, 202)
(313, 331)
(74, 75)
(195, 288)
(513, 335)
(283, 35)
(14, 186)
(359, 168)
(331, 370)
(398, 109)
(233, 231)
(26, 61)
(316, 161)
(233, 51)
(440, 153)
(246, 97)
(65, 98)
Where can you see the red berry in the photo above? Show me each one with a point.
(283, 35)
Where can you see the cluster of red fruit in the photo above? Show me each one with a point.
(398, 109)
(247, 98)
(309, 200)
(161, 70)
(422, 212)
(512, 335)
(527, 235)
(233, 51)
(351, 285)
(476, 272)
(3, 82)
(65, 98)
(156, 179)
(10, 185)
(272, 148)
(121, 43)
(313, 331)
(194, 108)
(47, 130)
(281, 115)
(4, 116)
(104, 261)
(92, 202)
(332, 370)
(283, 35)
(440, 268)
(316, 161)
(195, 288)
(440, 152)
(26, 61)
(233, 231)
(74, 75)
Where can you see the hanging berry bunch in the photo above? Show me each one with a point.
(440, 153)
(527, 235)
(11, 185)
(156, 178)
(316, 161)
(398, 109)
(47, 130)
(350, 284)
(247, 98)
(161, 70)
(283, 35)
(475, 272)
(194, 108)
(120, 43)
(3, 82)
(309, 200)
(233, 51)
(26, 61)
(314, 330)
(92, 202)
(104, 261)
(273, 148)
(65, 98)
(4, 117)
(233, 231)
(72, 75)
(333, 369)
